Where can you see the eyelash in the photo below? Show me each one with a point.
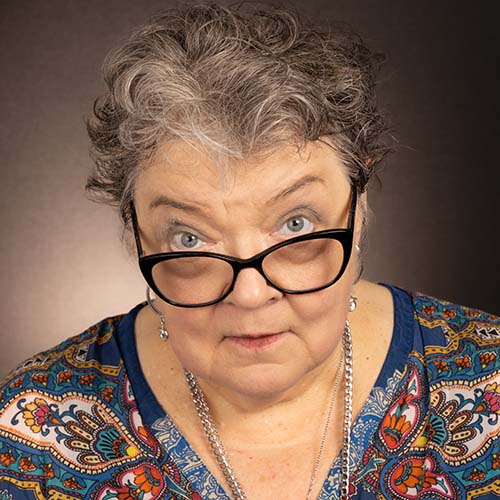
(304, 212)
(175, 228)
(295, 217)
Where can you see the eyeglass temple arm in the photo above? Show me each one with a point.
(135, 226)
(352, 209)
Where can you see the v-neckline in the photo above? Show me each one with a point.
(191, 464)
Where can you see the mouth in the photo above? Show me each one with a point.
(256, 340)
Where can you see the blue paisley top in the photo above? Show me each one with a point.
(79, 420)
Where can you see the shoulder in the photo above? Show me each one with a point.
(68, 416)
(454, 320)
(457, 341)
(63, 363)
(85, 367)
(70, 426)
(443, 424)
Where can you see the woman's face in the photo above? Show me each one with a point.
(258, 341)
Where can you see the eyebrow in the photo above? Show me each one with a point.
(304, 181)
(163, 200)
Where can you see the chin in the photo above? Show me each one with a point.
(266, 382)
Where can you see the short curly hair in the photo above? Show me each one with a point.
(239, 82)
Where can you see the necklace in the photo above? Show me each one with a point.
(219, 452)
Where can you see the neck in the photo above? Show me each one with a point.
(267, 420)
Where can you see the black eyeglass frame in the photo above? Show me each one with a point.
(147, 262)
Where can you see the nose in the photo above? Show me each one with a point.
(251, 290)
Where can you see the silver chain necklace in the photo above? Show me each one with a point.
(219, 452)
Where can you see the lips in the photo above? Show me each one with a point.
(254, 335)
(255, 340)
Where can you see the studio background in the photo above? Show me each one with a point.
(435, 226)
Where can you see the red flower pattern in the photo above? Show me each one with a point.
(149, 480)
(26, 464)
(64, 376)
(476, 475)
(442, 366)
(463, 362)
(107, 393)
(7, 459)
(87, 380)
(490, 402)
(72, 483)
(486, 358)
(41, 378)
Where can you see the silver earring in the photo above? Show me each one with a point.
(162, 330)
(358, 249)
(353, 302)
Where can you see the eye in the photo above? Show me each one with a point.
(184, 240)
(297, 225)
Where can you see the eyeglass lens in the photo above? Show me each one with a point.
(298, 267)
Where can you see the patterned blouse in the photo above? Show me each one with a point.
(79, 421)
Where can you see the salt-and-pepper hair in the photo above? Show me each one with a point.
(238, 83)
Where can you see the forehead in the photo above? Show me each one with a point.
(191, 172)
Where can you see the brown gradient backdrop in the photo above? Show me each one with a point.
(436, 215)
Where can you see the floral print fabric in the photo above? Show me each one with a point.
(79, 421)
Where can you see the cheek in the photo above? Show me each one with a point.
(321, 315)
(330, 303)
(318, 318)
(322, 310)
(192, 335)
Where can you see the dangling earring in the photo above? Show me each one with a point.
(353, 302)
(162, 330)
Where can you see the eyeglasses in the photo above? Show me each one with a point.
(303, 264)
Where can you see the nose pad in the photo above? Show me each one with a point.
(252, 290)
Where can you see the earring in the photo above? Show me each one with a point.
(353, 302)
(162, 330)
(358, 249)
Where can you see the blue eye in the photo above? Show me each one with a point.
(186, 241)
(297, 225)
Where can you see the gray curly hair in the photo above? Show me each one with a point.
(239, 82)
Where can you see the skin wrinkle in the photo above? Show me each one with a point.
(162, 200)
(252, 204)
(304, 181)
(240, 214)
(239, 100)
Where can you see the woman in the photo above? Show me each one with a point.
(238, 146)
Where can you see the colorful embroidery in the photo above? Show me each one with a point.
(455, 319)
(441, 436)
(419, 476)
(145, 482)
(405, 416)
(70, 426)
